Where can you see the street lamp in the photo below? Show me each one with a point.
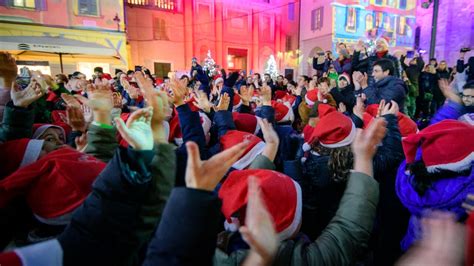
(117, 20)
(426, 4)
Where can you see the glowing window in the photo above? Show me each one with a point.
(351, 19)
(24, 3)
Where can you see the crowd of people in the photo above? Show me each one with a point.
(369, 161)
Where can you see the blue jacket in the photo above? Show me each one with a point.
(450, 110)
(191, 129)
(187, 233)
(389, 88)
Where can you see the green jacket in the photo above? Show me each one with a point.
(101, 142)
(17, 122)
(262, 162)
(346, 236)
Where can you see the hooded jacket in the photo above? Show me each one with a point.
(389, 88)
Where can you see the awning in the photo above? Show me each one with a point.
(50, 44)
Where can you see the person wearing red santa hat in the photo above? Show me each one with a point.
(118, 217)
(283, 199)
(328, 161)
(405, 123)
(438, 172)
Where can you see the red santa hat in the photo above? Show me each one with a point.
(218, 80)
(279, 95)
(236, 102)
(19, 153)
(291, 99)
(283, 112)
(311, 97)
(39, 129)
(406, 125)
(47, 252)
(346, 77)
(53, 186)
(255, 146)
(325, 109)
(447, 145)
(335, 130)
(281, 195)
(246, 122)
(308, 137)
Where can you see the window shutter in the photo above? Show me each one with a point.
(40, 5)
(321, 18)
(3, 2)
(313, 20)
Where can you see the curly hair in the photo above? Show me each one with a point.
(340, 161)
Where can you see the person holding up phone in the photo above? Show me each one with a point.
(413, 71)
(460, 67)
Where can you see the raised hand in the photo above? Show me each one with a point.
(448, 91)
(179, 91)
(266, 95)
(342, 107)
(388, 108)
(223, 104)
(271, 139)
(81, 142)
(70, 100)
(75, 118)
(259, 230)
(443, 242)
(359, 108)
(138, 131)
(202, 101)
(205, 175)
(469, 203)
(23, 98)
(246, 94)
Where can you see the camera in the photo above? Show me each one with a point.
(465, 50)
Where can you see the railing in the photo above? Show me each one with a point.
(168, 5)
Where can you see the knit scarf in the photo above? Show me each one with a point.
(381, 54)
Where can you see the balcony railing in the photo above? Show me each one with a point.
(166, 5)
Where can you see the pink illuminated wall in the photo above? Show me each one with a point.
(455, 28)
(249, 30)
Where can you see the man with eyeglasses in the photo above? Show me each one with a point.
(460, 107)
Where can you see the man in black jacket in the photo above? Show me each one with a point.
(386, 87)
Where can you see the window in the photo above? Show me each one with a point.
(170, 5)
(162, 69)
(369, 22)
(402, 26)
(88, 7)
(351, 19)
(378, 19)
(24, 3)
(291, 11)
(288, 43)
(402, 4)
(159, 29)
(317, 19)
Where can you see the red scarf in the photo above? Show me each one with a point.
(381, 54)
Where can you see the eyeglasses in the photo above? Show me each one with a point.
(471, 97)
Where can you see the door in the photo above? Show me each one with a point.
(162, 69)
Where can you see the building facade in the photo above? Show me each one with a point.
(165, 35)
(327, 22)
(64, 35)
(455, 28)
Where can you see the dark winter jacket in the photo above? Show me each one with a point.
(321, 193)
(117, 220)
(346, 96)
(413, 71)
(187, 233)
(17, 122)
(367, 65)
(344, 67)
(460, 67)
(191, 129)
(340, 243)
(389, 88)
